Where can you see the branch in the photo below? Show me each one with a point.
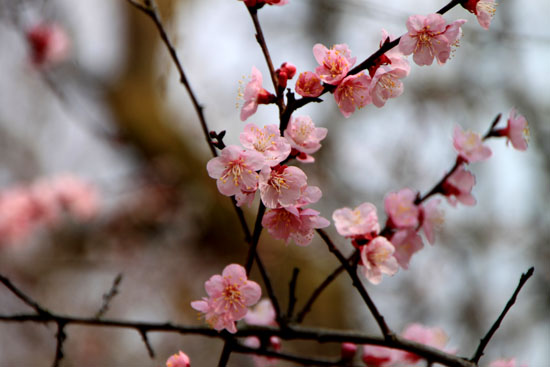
(483, 342)
(292, 294)
(226, 352)
(255, 238)
(388, 334)
(22, 296)
(107, 297)
(317, 292)
(150, 8)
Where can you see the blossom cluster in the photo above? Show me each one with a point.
(46, 202)
(383, 251)
(259, 166)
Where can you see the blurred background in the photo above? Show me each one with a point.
(111, 114)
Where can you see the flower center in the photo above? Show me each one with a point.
(488, 7)
(278, 181)
(234, 171)
(232, 296)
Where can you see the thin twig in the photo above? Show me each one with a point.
(148, 346)
(292, 293)
(60, 337)
(226, 352)
(22, 296)
(269, 289)
(255, 238)
(150, 8)
(107, 297)
(388, 334)
(317, 292)
(485, 340)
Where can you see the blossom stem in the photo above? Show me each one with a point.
(485, 340)
(255, 238)
(386, 332)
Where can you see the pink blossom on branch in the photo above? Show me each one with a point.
(230, 295)
(401, 210)
(378, 356)
(178, 360)
(516, 130)
(262, 314)
(353, 92)
(266, 141)
(281, 185)
(470, 146)
(304, 137)
(334, 63)
(377, 259)
(511, 362)
(255, 94)
(483, 9)
(458, 187)
(308, 85)
(406, 242)
(432, 337)
(235, 170)
(428, 37)
(361, 221)
(432, 219)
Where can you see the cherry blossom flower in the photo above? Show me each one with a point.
(429, 37)
(401, 209)
(386, 73)
(309, 85)
(262, 314)
(245, 198)
(483, 9)
(17, 215)
(406, 243)
(261, 361)
(353, 92)
(304, 137)
(73, 195)
(178, 360)
(293, 222)
(360, 221)
(235, 170)
(266, 141)
(230, 295)
(433, 337)
(377, 259)
(255, 94)
(49, 44)
(517, 130)
(458, 187)
(432, 219)
(377, 356)
(334, 63)
(281, 185)
(511, 362)
(470, 146)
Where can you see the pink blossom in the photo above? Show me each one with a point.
(406, 243)
(293, 223)
(353, 92)
(432, 219)
(281, 185)
(348, 351)
(262, 314)
(266, 141)
(377, 356)
(261, 361)
(178, 360)
(245, 198)
(255, 94)
(49, 44)
(429, 37)
(458, 187)
(73, 195)
(17, 215)
(511, 362)
(303, 136)
(377, 259)
(517, 130)
(235, 170)
(483, 9)
(470, 146)
(433, 337)
(386, 73)
(284, 73)
(401, 208)
(229, 296)
(360, 221)
(309, 85)
(334, 62)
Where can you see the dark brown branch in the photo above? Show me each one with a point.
(60, 337)
(317, 292)
(483, 342)
(22, 296)
(149, 7)
(107, 297)
(269, 289)
(226, 352)
(255, 238)
(388, 334)
(292, 294)
(148, 346)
